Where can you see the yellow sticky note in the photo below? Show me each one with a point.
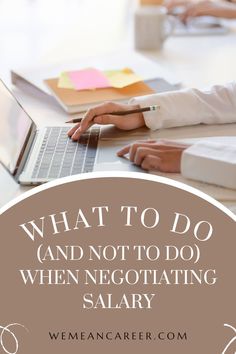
(65, 82)
(122, 78)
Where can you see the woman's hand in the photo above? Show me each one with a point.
(209, 8)
(100, 115)
(164, 156)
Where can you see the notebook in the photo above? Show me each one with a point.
(142, 66)
(78, 101)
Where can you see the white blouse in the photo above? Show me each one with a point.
(205, 161)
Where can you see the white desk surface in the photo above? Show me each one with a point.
(24, 38)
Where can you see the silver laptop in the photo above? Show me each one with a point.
(37, 156)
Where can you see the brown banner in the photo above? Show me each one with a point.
(117, 265)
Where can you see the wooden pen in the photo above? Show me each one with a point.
(121, 113)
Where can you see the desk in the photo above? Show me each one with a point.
(198, 61)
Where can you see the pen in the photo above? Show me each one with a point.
(121, 113)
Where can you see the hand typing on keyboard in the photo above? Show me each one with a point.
(209, 8)
(186, 9)
(129, 122)
(60, 157)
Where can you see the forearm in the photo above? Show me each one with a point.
(190, 107)
(226, 13)
(227, 10)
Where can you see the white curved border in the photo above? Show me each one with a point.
(107, 174)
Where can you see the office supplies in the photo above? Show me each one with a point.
(87, 79)
(122, 78)
(65, 81)
(78, 101)
(122, 113)
(145, 68)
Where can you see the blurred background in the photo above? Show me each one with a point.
(36, 32)
(32, 31)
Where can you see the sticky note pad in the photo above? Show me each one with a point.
(65, 82)
(89, 78)
(122, 78)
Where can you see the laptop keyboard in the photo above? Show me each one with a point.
(199, 26)
(59, 156)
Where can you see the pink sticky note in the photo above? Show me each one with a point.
(88, 79)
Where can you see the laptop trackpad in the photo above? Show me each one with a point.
(107, 160)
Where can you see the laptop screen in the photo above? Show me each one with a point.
(15, 125)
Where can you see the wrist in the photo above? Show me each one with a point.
(140, 116)
(141, 119)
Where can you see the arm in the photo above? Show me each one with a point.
(178, 108)
(210, 162)
(209, 8)
(171, 4)
(190, 107)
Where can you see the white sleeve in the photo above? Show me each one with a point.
(210, 162)
(190, 107)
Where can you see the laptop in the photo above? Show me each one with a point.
(35, 156)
